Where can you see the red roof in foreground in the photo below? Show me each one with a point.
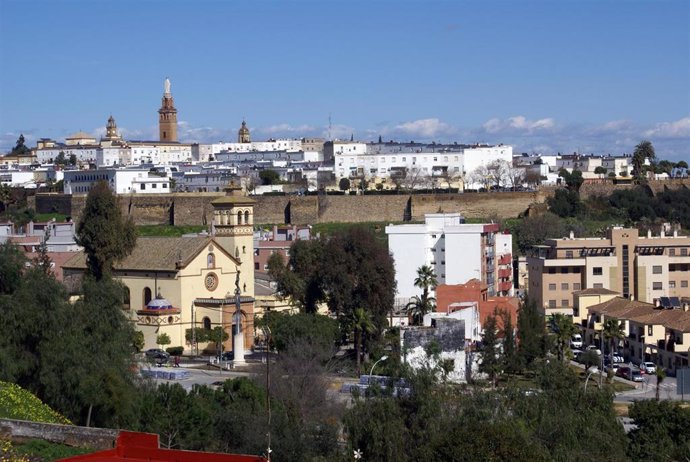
(134, 447)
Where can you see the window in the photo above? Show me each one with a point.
(142, 186)
(552, 286)
(684, 252)
(683, 284)
(672, 252)
(650, 330)
(564, 286)
(552, 303)
(564, 303)
(597, 271)
(239, 218)
(154, 185)
(210, 261)
(552, 270)
(568, 254)
(147, 296)
(671, 284)
(598, 286)
(576, 286)
(256, 265)
(256, 252)
(657, 285)
(265, 267)
(564, 270)
(656, 269)
(206, 323)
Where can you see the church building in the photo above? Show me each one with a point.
(175, 283)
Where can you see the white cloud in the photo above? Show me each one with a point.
(677, 129)
(518, 124)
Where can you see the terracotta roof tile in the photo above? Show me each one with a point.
(154, 253)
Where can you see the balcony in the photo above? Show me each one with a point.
(504, 273)
(505, 259)
(505, 286)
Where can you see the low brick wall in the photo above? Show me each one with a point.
(70, 435)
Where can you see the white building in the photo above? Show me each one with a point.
(476, 158)
(83, 153)
(123, 181)
(204, 152)
(457, 252)
(152, 152)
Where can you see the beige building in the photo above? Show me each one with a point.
(179, 282)
(652, 333)
(642, 268)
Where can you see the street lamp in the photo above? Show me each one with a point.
(382, 358)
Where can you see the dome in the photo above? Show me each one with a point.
(79, 136)
(159, 303)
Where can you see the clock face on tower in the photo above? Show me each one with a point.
(211, 281)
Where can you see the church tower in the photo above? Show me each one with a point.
(111, 133)
(233, 230)
(243, 134)
(167, 116)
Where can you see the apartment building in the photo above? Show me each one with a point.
(643, 268)
(457, 252)
(657, 332)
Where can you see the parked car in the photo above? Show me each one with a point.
(612, 367)
(227, 356)
(157, 355)
(576, 341)
(594, 348)
(576, 354)
(648, 367)
(617, 358)
(629, 373)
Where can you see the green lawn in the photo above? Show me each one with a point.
(168, 230)
(46, 451)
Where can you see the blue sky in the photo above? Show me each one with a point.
(545, 76)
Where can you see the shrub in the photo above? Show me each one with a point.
(175, 351)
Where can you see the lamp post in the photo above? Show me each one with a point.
(382, 358)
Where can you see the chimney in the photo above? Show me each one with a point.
(649, 233)
(572, 235)
(675, 233)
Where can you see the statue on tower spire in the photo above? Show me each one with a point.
(167, 86)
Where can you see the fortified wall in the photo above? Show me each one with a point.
(196, 209)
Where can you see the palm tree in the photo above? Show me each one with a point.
(564, 329)
(361, 324)
(644, 150)
(421, 305)
(613, 333)
(660, 376)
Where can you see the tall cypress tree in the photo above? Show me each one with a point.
(104, 233)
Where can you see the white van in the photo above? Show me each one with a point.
(576, 341)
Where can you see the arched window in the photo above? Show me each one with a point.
(246, 217)
(206, 322)
(147, 296)
(210, 261)
(239, 218)
(125, 299)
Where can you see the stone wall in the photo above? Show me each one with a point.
(70, 435)
(195, 208)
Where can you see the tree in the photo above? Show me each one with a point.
(107, 237)
(535, 229)
(661, 433)
(490, 362)
(61, 159)
(361, 325)
(497, 172)
(682, 164)
(565, 203)
(530, 332)
(300, 278)
(643, 151)
(600, 170)
(481, 176)
(563, 329)
(73, 159)
(163, 339)
(344, 184)
(42, 260)
(613, 333)
(573, 180)
(269, 177)
(290, 329)
(421, 305)
(20, 148)
(11, 268)
(511, 361)
(6, 196)
(660, 376)
(515, 175)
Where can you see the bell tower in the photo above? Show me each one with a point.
(111, 133)
(167, 116)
